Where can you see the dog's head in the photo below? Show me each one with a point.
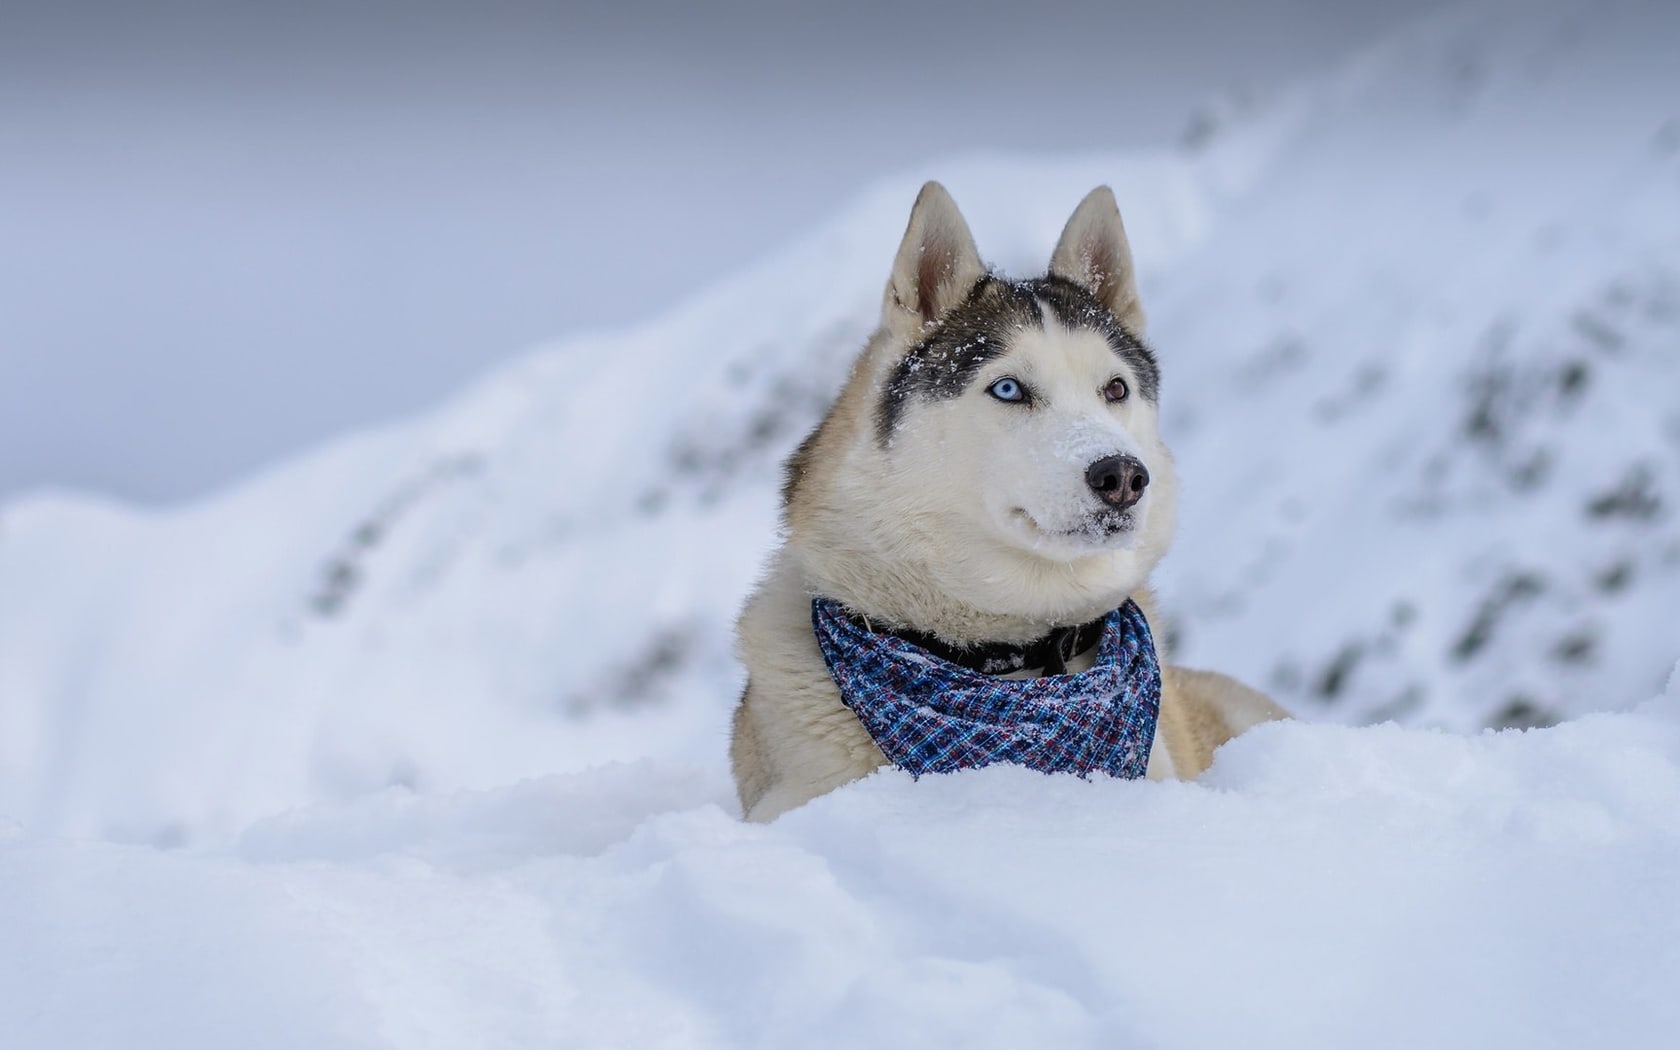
(1003, 446)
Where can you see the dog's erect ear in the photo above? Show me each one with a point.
(1093, 252)
(936, 264)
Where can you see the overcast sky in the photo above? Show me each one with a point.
(230, 231)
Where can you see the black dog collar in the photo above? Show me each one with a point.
(1050, 653)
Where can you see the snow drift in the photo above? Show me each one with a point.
(418, 740)
(1325, 887)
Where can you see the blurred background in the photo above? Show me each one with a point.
(228, 230)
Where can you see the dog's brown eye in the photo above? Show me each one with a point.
(1116, 389)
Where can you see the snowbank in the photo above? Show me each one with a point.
(1324, 887)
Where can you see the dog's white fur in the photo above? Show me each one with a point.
(972, 521)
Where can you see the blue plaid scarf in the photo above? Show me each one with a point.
(930, 715)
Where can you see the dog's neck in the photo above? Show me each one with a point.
(903, 595)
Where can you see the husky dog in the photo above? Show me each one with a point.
(992, 471)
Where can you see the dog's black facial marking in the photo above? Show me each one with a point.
(946, 361)
(979, 329)
(1075, 307)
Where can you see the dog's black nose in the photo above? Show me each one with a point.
(1118, 480)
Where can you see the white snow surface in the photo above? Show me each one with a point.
(1324, 886)
(419, 740)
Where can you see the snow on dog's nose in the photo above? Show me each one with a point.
(1118, 481)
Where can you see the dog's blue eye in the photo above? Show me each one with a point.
(1007, 389)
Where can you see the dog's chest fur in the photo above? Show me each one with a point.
(794, 739)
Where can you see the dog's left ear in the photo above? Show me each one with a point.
(1094, 252)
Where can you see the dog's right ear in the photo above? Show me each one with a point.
(937, 263)
(1094, 252)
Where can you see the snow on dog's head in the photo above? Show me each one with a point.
(997, 446)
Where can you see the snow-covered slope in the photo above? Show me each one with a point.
(1426, 381)
(1420, 325)
(539, 577)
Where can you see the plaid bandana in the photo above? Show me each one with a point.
(930, 715)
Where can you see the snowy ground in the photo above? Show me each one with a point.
(418, 741)
(1323, 886)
